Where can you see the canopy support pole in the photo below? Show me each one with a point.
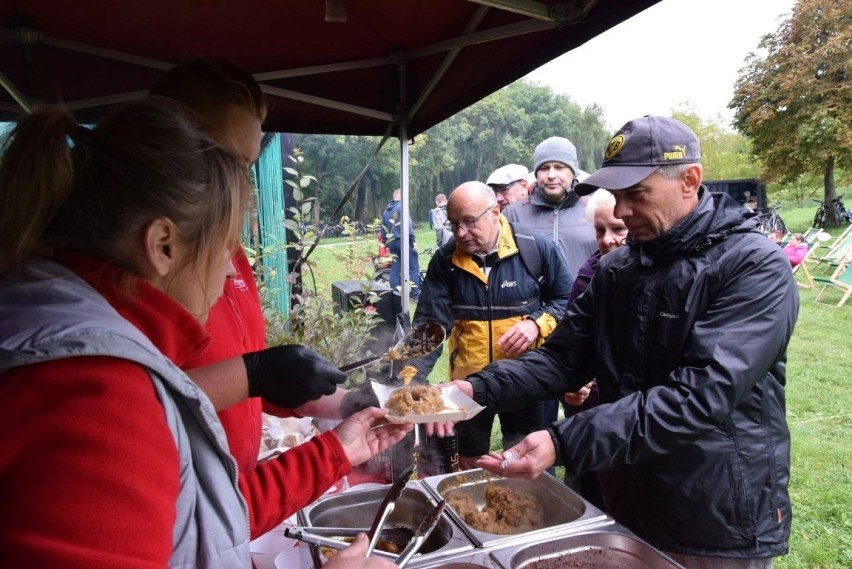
(405, 237)
(405, 261)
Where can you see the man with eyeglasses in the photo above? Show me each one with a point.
(480, 288)
(509, 183)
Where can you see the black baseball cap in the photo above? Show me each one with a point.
(638, 149)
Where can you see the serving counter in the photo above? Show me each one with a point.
(572, 532)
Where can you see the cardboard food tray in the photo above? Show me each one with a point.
(458, 406)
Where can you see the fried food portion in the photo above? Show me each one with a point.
(407, 374)
(506, 512)
(415, 400)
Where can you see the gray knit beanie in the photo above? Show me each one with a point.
(556, 149)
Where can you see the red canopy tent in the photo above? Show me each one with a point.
(366, 67)
(338, 66)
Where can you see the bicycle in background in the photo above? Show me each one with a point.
(768, 219)
(841, 213)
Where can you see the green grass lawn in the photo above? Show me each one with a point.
(819, 409)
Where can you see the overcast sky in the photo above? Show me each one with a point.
(675, 51)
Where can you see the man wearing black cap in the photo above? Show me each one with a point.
(686, 331)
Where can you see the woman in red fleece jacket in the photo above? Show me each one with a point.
(227, 104)
(94, 469)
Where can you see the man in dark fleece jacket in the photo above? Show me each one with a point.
(686, 330)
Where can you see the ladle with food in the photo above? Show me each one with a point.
(421, 340)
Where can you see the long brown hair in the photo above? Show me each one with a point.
(93, 191)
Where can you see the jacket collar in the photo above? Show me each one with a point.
(506, 246)
(180, 336)
(568, 200)
(714, 218)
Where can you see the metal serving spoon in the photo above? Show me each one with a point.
(421, 340)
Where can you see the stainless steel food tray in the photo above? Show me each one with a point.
(357, 509)
(609, 547)
(476, 560)
(563, 508)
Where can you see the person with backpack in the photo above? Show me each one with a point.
(438, 217)
(392, 238)
(498, 289)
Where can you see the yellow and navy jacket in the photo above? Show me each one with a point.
(477, 310)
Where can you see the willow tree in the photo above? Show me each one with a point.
(794, 102)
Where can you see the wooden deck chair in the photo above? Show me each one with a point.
(811, 234)
(840, 280)
(834, 253)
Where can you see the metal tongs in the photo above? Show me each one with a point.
(418, 342)
(424, 530)
(387, 507)
(307, 535)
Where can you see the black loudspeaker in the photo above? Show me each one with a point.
(740, 190)
(352, 294)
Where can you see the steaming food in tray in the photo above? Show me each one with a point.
(507, 511)
(420, 341)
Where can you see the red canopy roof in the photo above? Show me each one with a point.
(390, 62)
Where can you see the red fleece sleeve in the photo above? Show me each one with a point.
(89, 468)
(278, 488)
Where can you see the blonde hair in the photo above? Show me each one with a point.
(209, 86)
(65, 186)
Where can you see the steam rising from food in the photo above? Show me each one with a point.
(506, 512)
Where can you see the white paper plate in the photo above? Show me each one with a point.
(457, 406)
(290, 558)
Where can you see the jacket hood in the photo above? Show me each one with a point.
(391, 204)
(716, 216)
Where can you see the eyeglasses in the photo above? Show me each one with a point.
(466, 223)
(498, 190)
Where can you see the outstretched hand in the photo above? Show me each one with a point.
(445, 429)
(527, 459)
(364, 434)
(577, 398)
(290, 376)
(354, 557)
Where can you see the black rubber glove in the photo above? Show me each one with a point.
(290, 376)
(357, 399)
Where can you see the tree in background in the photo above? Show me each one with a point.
(725, 155)
(795, 103)
(501, 129)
